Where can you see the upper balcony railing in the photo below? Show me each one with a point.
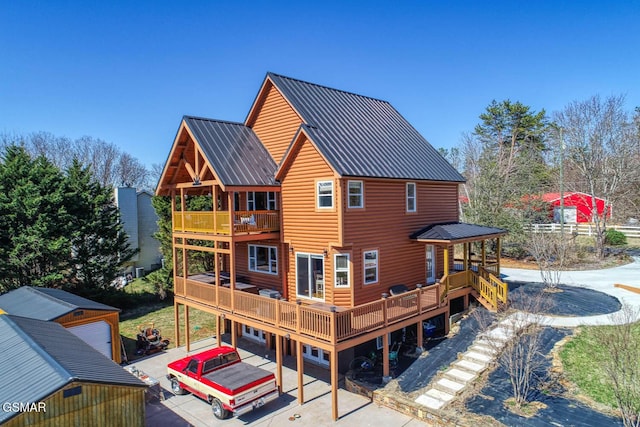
(220, 222)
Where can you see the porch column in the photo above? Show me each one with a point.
(420, 334)
(279, 362)
(300, 365)
(385, 355)
(334, 383)
(446, 260)
(218, 330)
(484, 253)
(234, 334)
(498, 255)
(186, 328)
(176, 322)
(465, 255)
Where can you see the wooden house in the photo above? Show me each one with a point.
(323, 205)
(53, 378)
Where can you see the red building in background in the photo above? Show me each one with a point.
(578, 207)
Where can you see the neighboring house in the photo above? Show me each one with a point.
(140, 222)
(95, 323)
(334, 202)
(578, 207)
(61, 380)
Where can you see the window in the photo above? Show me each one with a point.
(263, 259)
(356, 196)
(310, 276)
(261, 200)
(325, 194)
(341, 267)
(370, 267)
(411, 196)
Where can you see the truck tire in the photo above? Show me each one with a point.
(176, 388)
(218, 410)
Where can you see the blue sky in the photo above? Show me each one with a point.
(126, 72)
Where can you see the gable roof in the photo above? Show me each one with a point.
(40, 357)
(455, 232)
(361, 136)
(46, 303)
(234, 151)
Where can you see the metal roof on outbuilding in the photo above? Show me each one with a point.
(362, 136)
(236, 154)
(455, 231)
(46, 303)
(40, 357)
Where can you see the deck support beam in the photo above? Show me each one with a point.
(334, 384)
(176, 322)
(186, 328)
(385, 355)
(300, 366)
(279, 362)
(218, 331)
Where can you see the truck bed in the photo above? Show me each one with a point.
(237, 375)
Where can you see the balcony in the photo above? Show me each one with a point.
(324, 323)
(226, 223)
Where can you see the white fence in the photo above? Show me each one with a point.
(585, 229)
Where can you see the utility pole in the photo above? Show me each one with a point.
(561, 184)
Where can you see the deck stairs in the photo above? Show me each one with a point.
(461, 374)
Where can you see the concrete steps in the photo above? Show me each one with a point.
(480, 355)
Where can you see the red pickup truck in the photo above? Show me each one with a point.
(222, 379)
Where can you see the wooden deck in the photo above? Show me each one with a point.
(325, 323)
(225, 223)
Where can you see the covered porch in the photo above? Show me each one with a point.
(470, 259)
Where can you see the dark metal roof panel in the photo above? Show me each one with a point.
(46, 303)
(234, 151)
(363, 136)
(455, 231)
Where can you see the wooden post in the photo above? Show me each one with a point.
(176, 319)
(334, 384)
(234, 334)
(465, 250)
(279, 362)
(484, 253)
(498, 254)
(186, 328)
(300, 365)
(218, 330)
(385, 355)
(420, 333)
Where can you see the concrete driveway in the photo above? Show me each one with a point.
(188, 410)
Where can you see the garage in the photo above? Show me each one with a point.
(96, 334)
(95, 323)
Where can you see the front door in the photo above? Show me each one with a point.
(431, 263)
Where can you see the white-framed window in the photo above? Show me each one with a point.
(261, 201)
(370, 262)
(380, 343)
(315, 354)
(325, 194)
(355, 193)
(341, 270)
(411, 196)
(263, 259)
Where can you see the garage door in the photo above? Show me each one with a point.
(96, 334)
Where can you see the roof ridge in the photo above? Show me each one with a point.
(269, 74)
(51, 297)
(215, 120)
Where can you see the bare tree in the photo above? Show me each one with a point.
(129, 171)
(550, 252)
(517, 342)
(600, 146)
(622, 362)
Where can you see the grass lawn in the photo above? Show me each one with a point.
(160, 313)
(580, 360)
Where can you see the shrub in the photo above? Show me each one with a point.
(615, 238)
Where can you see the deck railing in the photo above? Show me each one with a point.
(220, 222)
(331, 324)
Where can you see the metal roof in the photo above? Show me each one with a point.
(46, 303)
(455, 231)
(362, 136)
(234, 151)
(40, 357)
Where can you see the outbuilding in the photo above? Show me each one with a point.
(51, 377)
(95, 323)
(578, 207)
